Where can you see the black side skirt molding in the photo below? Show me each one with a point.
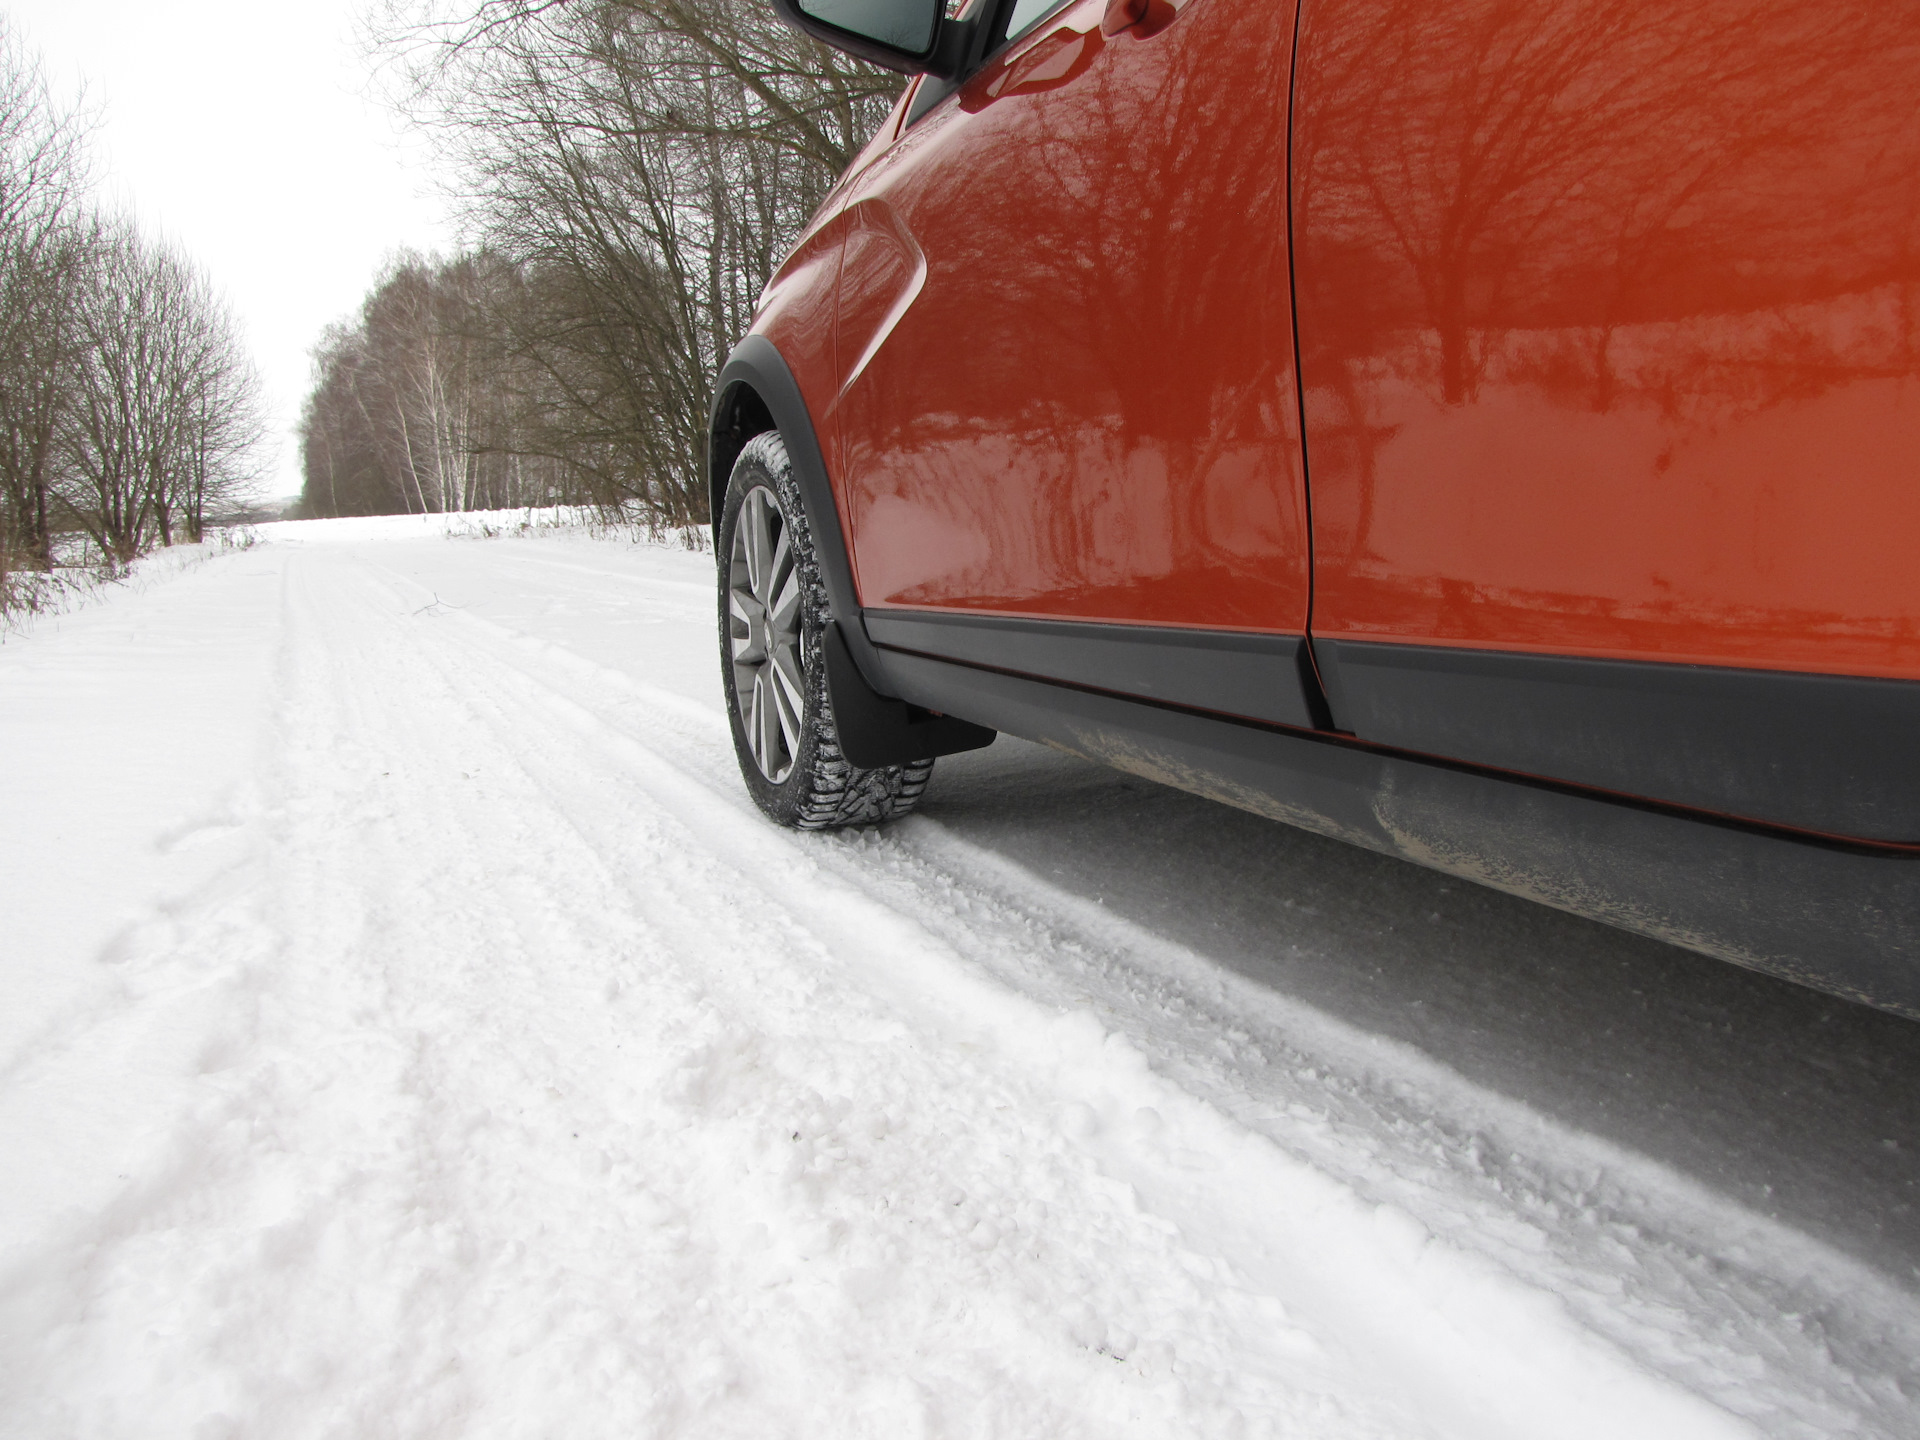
(1835, 754)
(1842, 920)
(1229, 672)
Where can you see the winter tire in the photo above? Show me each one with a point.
(773, 614)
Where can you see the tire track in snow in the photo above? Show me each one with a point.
(694, 744)
(792, 999)
(521, 1131)
(1737, 1307)
(558, 1092)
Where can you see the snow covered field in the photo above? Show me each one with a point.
(412, 1030)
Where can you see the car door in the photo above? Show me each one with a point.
(1609, 350)
(1066, 432)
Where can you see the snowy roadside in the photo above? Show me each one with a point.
(35, 599)
(419, 1034)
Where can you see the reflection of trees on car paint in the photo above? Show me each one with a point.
(1508, 165)
(1104, 227)
(1607, 324)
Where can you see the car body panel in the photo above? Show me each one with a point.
(1086, 406)
(796, 314)
(1608, 324)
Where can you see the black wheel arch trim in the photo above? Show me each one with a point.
(756, 392)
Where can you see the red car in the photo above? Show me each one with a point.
(1485, 432)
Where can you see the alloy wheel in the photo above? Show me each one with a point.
(763, 627)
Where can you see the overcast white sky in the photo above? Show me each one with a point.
(249, 134)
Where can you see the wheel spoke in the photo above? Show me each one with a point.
(788, 706)
(756, 732)
(783, 610)
(772, 726)
(779, 568)
(743, 681)
(784, 664)
(757, 519)
(743, 610)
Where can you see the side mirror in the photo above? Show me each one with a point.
(910, 36)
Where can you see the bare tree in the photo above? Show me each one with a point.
(129, 411)
(223, 421)
(43, 234)
(342, 460)
(425, 404)
(634, 169)
(644, 163)
(164, 416)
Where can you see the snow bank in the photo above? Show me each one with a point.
(37, 596)
(550, 520)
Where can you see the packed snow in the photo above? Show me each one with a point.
(413, 1030)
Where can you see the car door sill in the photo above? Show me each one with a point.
(1826, 911)
(892, 656)
(1252, 675)
(1827, 753)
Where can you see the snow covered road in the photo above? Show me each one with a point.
(415, 1032)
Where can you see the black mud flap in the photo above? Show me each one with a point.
(876, 731)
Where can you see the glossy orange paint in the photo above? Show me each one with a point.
(1610, 327)
(796, 311)
(1064, 353)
